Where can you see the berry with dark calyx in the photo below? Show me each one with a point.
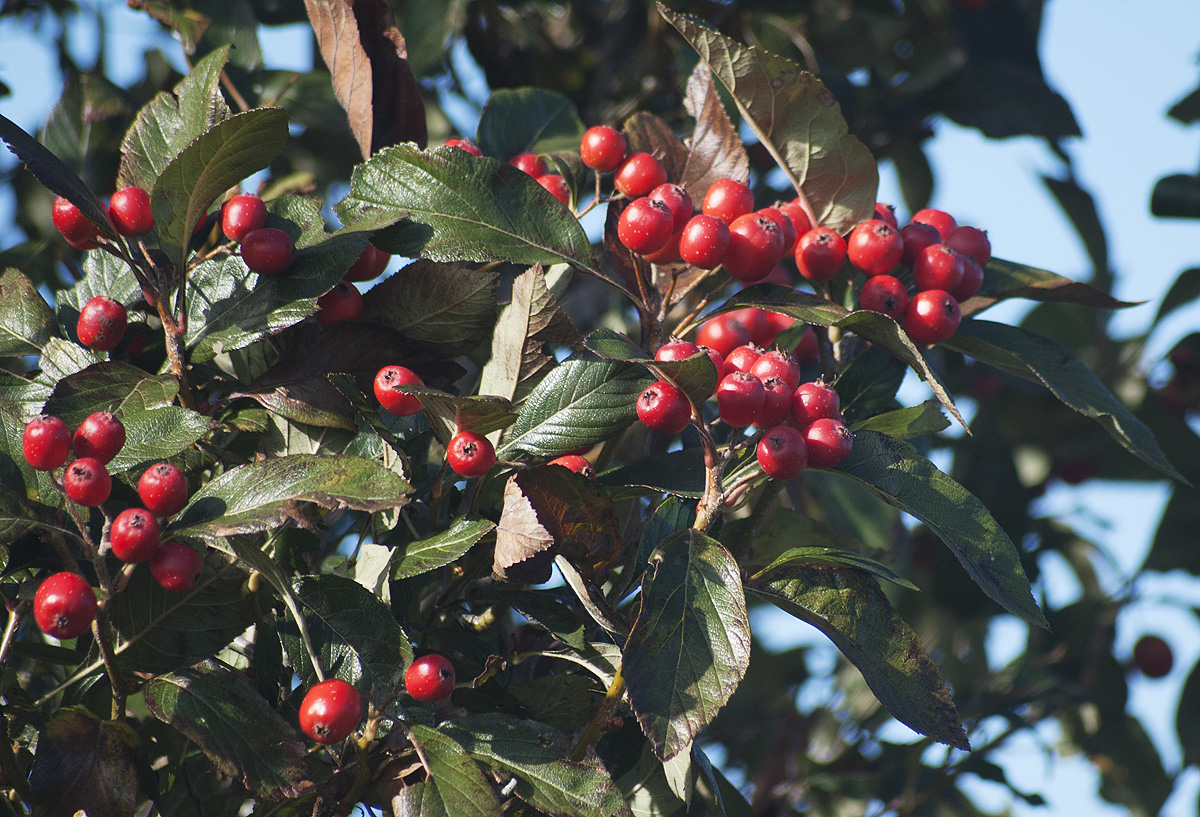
(742, 359)
(971, 281)
(163, 489)
(64, 605)
(755, 247)
(644, 226)
(820, 254)
(916, 237)
(676, 350)
(390, 397)
(577, 463)
(704, 241)
(815, 401)
(1153, 656)
(46, 443)
(828, 442)
(777, 402)
(777, 364)
(176, 567)
(668, 254)
(100, 435)
(557, 186)
(937, 267)
(727, 199)
(268, 251)
(129, 209)
(940, 220)
(470, 455)
(885, 294)
(678, 202)
(786, 228)
(971, 242)
(342, 303)
(242, 215)
(330, 711)
(639, 174)
(135, 535)
(796, 214)
(465, 145)
(430, 678)
(602, 148)
(781, 453)
(663, 407)
(932, 316)
(723, 333)
(875, 247)
(101, 323)
(87, 482)
(886, 213)
(740, 399)
(369, 265)
(531, 163)
(70, 221)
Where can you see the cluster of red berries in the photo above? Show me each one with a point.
(532, 164)
(266, 250)
(128, 210)
(344, 302)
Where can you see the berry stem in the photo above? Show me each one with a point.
(596, 728)
(709, 504)
(15, 615)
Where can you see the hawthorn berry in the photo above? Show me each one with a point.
(916, 237)
(465, 145)
(781, 453)
(129, 209)
(676, 350)
(470, 455)
(390, 397)
(937, 267)
(777, 364)
(723, 333)
(176, 567)
(639, 174)
(931, 316)
(268, 250)
(369, 265)
(531, 163)
(663, 407)
(1153, 656)
(742, 359)
(330, 711)
(678, 202)
(814, 401)
(64, 605)
(875, 247)
(820, 254)
(242, 215)
(740, 399)
(342, 303)
(807, 350)
(940, 220)
(704, 241)
(87, 482)
(786, 229)
(668, 253)
(70, 221)
(885, 294)
(602, 148)
(100, 435)
(755, 319)
(430, 678)
(796, 214)
(971, 281)
(777, 322)
(828, 442)
(727, 199)
(135, 535)
(755, 247)
(101, 323)
(557, 186)
(777, 402)
(46, 442)
(644, 226)
(971, 242)
(886, 213)
(163, 489)
(577, 463)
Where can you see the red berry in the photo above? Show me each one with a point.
(1153, 656)
(578, 464)
(163, 489)
(727, 199)
(723, 333)
(820, 254)
(742, 359)
(430, 678)
(465, 145)
(740, 399)
(268, 251)
(87, 482)
(676, 350)
(342, 303)
(937, 267)
(828, 442)
(755, 319)
(796, 214)
(777, 402)
(135, 535)
(644, 226)
(704, 241)
(971, 281)
(678, 202)
(395, 401)
(777, 364)
(46, 442)
(668, 254)
(176, 567)
(940, 220)
(470, 455)
(70, 221)
(718, 360)
(557, 186)
(370, 264)
(663, 407)
(755, 247)
(101, 435)
(101, 323)
(916, 237)
(971, 242)
(781, 453)
(777, 322)
(129, 209)
(242, 215)
(807, 350)
(814, 401)
(884, 293)
(531, 163)
(875, 247)
(932, 316)
(64, 605)
(786, 228)
(330, 711)
(639, 174)
(887, 214)
(602, 148)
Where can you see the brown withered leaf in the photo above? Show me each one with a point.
(647, 133)
(715, 151)
(368, 59)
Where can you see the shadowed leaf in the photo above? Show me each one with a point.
(84, 763)
(715, 151)
(1007, 279)
(440, 549)
(528, 120)
(455, 785)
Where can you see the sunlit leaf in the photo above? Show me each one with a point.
(26, 322)
(439, 549)
(455, 785)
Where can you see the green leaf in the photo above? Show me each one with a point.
(219, 159)
(236, 728)
(528, 120)
(103, 274)
(1173, 547)
(869, 384)
(15, 519)
(536, 755)
(454, 787)
(448, 412)
(838, 558)
(440, 549)
(62, 358)
(258, 496)
(581, 402)
(897, 474)
(1007, 279)
(26, 322)
(1184, 289)
(849, 607)
(690, 646)
(914, 421)
(679, 472)
(84, 763)
(1040, 360)
(447, 308)
(461, 208)
(548, 610)
(696, 376)
(1186, 718)
(671, 515)
(563, 701)
(796, 118)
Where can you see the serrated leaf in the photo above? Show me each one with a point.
(837, 558)
(61, 358)
(15, 519)
(581, 402)
(258, 496)
(237, 729)
(528, 120)
(914, 421)
(26, 322)
(894, 471)
(696, 376)
(690, 645)
(1040, 360)
(796, 118)
(440, 549)
(103, 274)
(454, 786)
(1007, 279)
(84, 763)
(715, 150)
(449, 413)
(850, 608)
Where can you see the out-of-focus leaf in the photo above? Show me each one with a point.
(680, 473)
(1184, 290)
(715, 151)
(1174, 547)
(1187, 716)
(1007, 279)
(1080, 207)
(26, 322)
(455, 785)
(914, 421)
(84, 763)
(1176, 196)
(869, 384)
(440, 549)
(527, 120)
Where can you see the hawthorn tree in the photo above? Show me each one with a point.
(337, 467)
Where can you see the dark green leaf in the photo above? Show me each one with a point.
(563, 701)
(690, 645)
(680, 473)
(696, 376)
(103, 274)
(1080, 208)
(454, 787)
(914, 421)
(83, 763)
(1184, 289)
(449, 413)
(869, 384)
(26, 322)
(848, 606)
(1174, 546)
(547, 609)
(61, 358)
(15, 519)
(527, 120)
(836, 557)
(1187, 716)
(1007, 279)
(671, 515)
(439, 549)
(1176, 196)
